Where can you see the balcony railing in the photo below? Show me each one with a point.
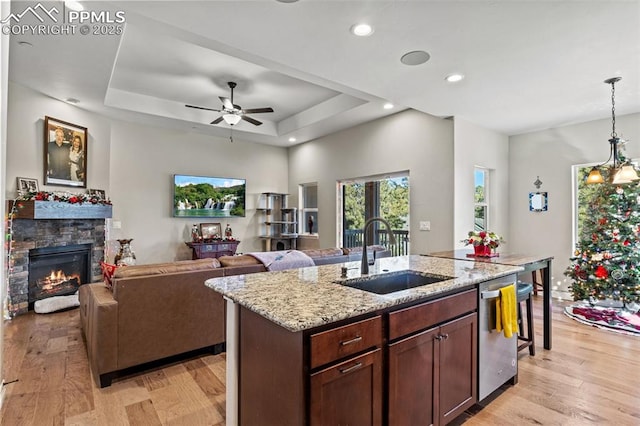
(353, 238)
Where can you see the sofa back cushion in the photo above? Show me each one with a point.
(166, 268)
(241, 260)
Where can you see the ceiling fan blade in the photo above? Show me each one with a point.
(257, 110)
(226, 103)
(199, 107)
(217, 120)
(251, 120)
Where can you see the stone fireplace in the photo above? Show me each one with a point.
(70, 248)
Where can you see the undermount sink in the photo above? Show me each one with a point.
(392, 282)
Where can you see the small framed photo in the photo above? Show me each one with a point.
(65, 153)
(98, 193)
(210, 231)
(27, 185)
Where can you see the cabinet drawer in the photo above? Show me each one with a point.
(334, 344)
(415, 318)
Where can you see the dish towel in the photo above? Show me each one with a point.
(506, 313)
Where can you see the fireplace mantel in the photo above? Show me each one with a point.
(33, 209)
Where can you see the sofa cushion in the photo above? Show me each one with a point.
(328, 252)
(369, 248)
(242, 260)
(166, 268)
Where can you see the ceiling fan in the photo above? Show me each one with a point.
(232, 113)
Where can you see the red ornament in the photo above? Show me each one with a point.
(601, 272)
(482, 234)
(626, 242)
(603, 221)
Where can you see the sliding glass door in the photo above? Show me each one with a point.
(386, 197)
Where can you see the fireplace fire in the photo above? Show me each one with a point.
(58, 278)
(58, 271)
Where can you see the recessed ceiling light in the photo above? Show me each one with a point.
(287, 1)
(388, 105)
(25, 44)
(292, 139)
(453, 78)
(361, 30)
(72, 100)
(416, 57)
(74, 5)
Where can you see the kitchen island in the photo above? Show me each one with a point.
(281, 328)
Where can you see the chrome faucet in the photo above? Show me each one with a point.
(364, 264)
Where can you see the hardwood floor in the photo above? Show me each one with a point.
(590, 376)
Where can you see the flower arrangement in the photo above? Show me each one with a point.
(64, 197)
(483, 238)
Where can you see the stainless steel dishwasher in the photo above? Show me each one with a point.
(497, 355)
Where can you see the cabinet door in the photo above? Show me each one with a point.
(457, 367)
(411, 379)
(349, 393)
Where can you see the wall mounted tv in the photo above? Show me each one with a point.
(200, 196)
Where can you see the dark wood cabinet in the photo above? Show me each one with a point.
(213, 249)
(457, 367)
(349, 393)
(411, 379)
(432, 374)
(409, 366)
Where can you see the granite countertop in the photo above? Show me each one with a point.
(300, 299)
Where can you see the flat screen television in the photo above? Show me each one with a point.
(201, 196)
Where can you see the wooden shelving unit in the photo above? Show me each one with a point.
(280, 226)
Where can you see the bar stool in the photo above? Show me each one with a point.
(524, 294)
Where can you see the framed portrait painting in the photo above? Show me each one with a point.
(65, 153)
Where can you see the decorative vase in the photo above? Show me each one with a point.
(125, 256)
(482, 250)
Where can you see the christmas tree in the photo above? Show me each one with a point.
(606, 262)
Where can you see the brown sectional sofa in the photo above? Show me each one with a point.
(158, 311)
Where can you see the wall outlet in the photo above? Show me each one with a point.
(425, 225)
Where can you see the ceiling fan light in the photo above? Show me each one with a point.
(594, 176)
(231, 119)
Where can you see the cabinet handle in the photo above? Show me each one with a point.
(348, 342)
(350, 369)
(445, 336)
(438, 337)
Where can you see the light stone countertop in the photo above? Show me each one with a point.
(300, 299)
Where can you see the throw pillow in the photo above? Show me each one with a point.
(108, 269)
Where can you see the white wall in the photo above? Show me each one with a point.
(135, 164)
(25, 146)
(143, 162)
(409, 140)
(550, 155)
(477, 146)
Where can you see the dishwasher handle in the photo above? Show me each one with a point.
(492, 294)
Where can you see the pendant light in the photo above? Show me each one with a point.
(619, 173)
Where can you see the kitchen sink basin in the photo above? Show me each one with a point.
(392, 282)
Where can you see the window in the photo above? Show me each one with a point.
(481, 199)
(383, 196)
(308, 196)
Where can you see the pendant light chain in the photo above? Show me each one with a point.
(613, 109)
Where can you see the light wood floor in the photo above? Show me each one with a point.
(590, 377)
